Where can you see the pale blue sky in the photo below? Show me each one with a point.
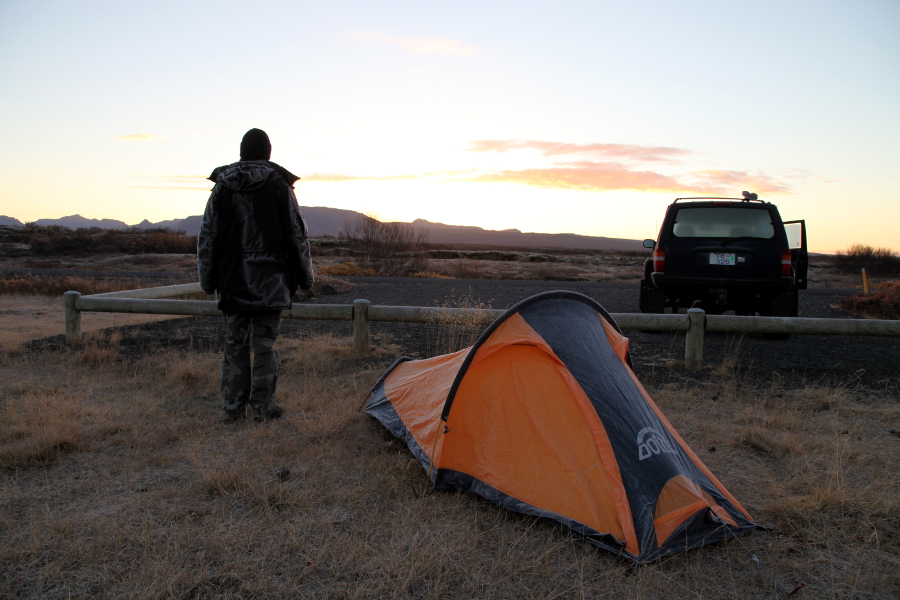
(597, 113)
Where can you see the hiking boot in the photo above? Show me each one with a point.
(232, 416)
(267, 414)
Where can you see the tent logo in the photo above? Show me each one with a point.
(650, 442)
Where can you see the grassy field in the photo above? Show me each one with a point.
(118, 480)
(568, 265)
(25, 318)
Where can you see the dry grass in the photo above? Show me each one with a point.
(26, 318)
(881, 303)
(573, 265)
(345, 269)
(30, 285)
(818, 464)
(592, 266)
(170, 263)
(455, 332)
(119, 481)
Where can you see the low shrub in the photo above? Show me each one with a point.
(876, 261)
(882, 303)
(392, 249)
(93, 240)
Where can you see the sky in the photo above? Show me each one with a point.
(584, 117)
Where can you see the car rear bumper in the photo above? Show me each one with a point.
(772, 286)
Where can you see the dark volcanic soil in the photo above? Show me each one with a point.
(803, 360)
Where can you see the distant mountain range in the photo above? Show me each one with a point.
(9, 221)
(323, 221)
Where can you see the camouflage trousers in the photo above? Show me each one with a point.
(243, 384)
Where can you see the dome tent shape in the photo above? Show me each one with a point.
(545, 416)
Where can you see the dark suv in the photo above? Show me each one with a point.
(724, 254)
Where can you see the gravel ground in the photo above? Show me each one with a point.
(853, 361)
(871, 362)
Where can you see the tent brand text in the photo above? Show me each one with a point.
(650, 442)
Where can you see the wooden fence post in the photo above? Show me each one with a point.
(73, 318)
(360, 328)
(693, 343)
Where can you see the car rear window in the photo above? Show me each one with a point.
(723, 222)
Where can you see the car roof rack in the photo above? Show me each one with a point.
(748, 197)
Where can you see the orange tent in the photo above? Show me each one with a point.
(544, 415)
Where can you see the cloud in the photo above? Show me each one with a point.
(729, 181)
(607, 151)
(442, 46)
(590, 176)
(585, 176)
(594, 175)
(139, 137)
(607, 175)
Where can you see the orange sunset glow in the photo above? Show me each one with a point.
(584, 118)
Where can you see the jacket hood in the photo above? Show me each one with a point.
(249, 175)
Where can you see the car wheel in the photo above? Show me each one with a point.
(783, 305)
(651, 299)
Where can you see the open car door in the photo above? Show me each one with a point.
(796, 235)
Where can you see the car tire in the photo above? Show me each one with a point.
(783, 305)
(651, 299)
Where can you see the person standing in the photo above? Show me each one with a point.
(253, 250)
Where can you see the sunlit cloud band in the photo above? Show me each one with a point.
(550, 149)
(581, 175)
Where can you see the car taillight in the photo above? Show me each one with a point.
(659, 259)
(785, 262)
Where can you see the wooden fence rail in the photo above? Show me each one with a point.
(166, 291)
(695, 323)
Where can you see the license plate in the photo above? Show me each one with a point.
(721, 258)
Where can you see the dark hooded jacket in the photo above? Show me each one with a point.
(253, 245)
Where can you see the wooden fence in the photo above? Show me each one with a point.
(695, 323)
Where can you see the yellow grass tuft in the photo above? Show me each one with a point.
(455, 332)
(775, 444)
